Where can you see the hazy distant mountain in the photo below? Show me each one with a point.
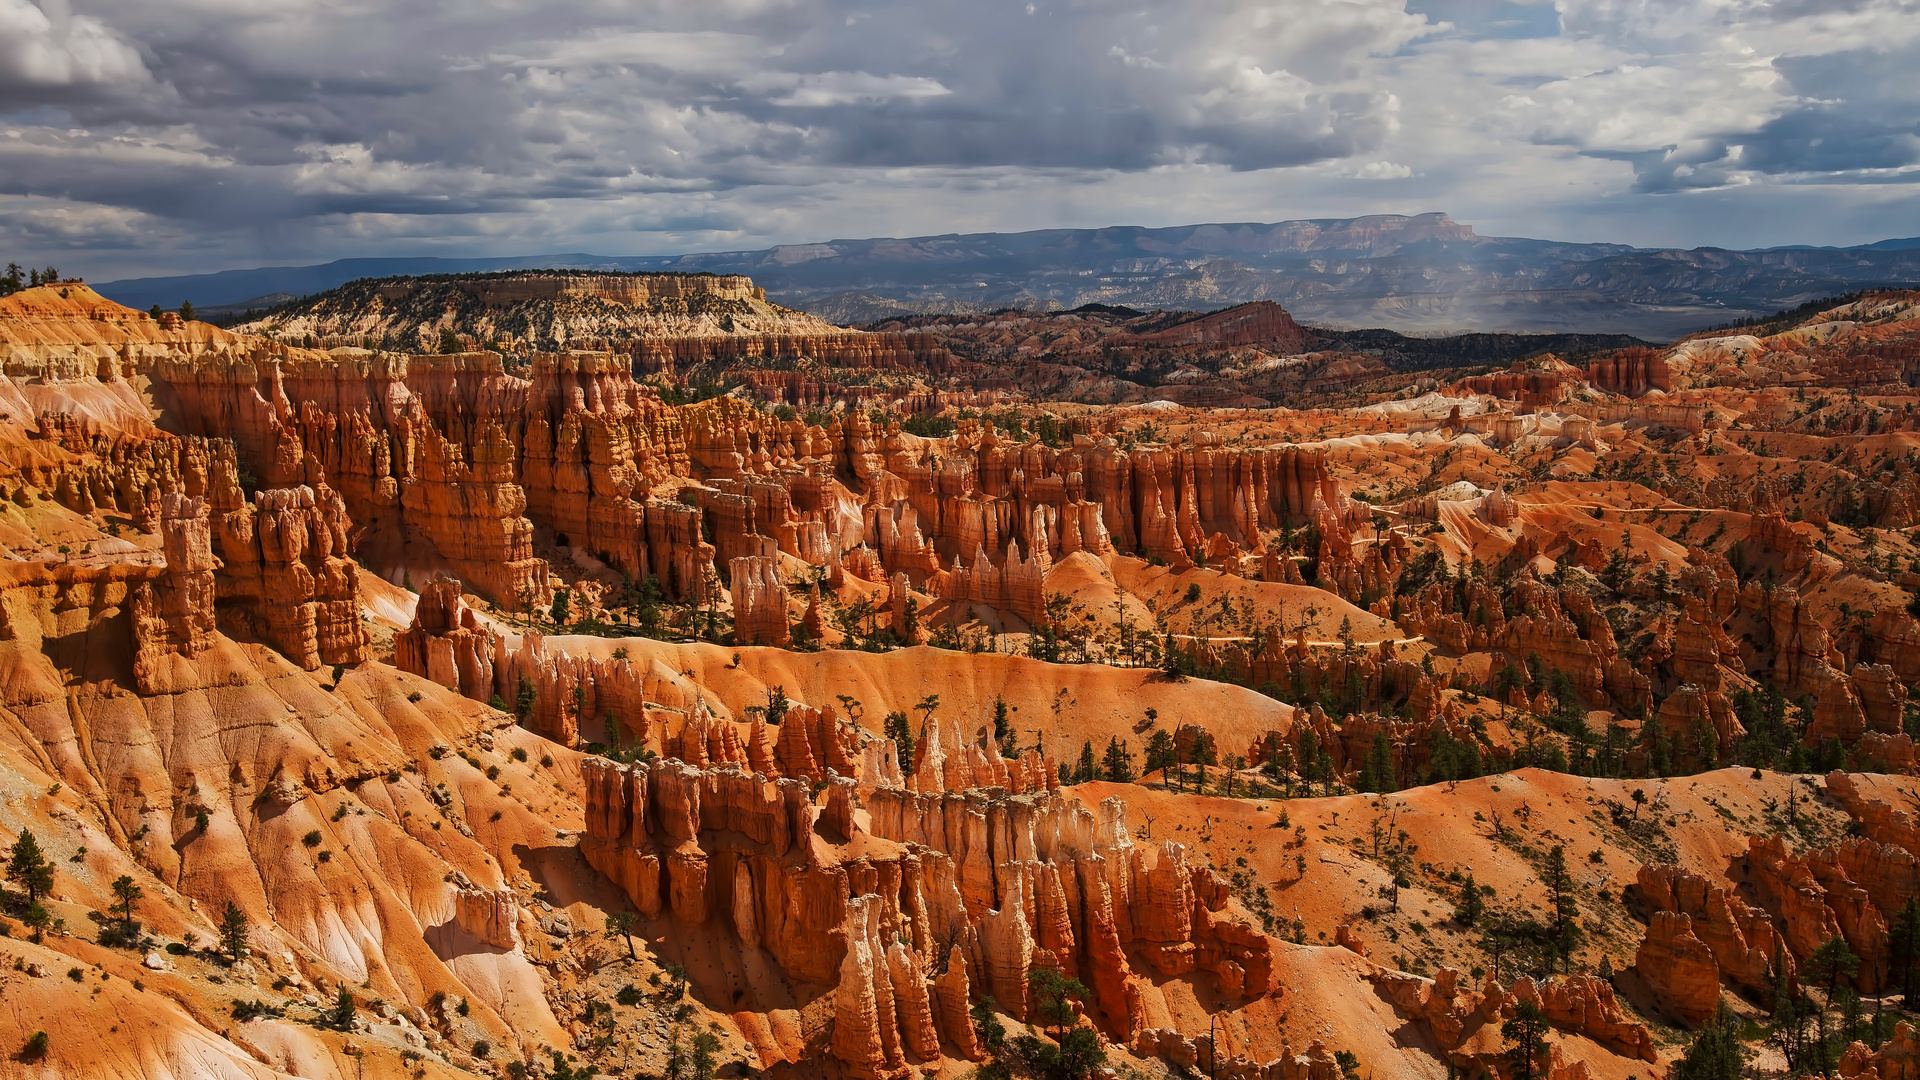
(1420, 274)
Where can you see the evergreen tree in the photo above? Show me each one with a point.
(126, 891)
(1055, 994)
(37, 919)
(1174, 664)
(900, 730)
(987, 1027)
(1832, 961)
(1081, 1052)
(28, 866)
(1309, 756)
(341, 1015)
(1716, 1053)
(622, 923)
(1085, 772)
(1471, 903)
(1201, 756)
(1118, 764)
(1377, 772)
(1161, 754)
(704, 1045)
(1706, 752)
(233, 932)
(1566, 912)
(523, 699)
(1002, 722)
(1789, 1025)
(1527, 1052)
(1904, 939)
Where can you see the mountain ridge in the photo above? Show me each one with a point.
(1416, 274)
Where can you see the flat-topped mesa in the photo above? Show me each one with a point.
(502, 290)
(1002, 882)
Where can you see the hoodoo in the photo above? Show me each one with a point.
(643, 678)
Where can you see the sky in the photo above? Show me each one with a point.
(174, 136)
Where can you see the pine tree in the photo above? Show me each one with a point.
(1716, 1053)
(1201, 755)
(233, 932)
(1832, 961)
(341, 1015)
(1174, 664)
(622, 923)
(1471, 903)
(1118, 764)
(1161, 754)
(29, 867)
(1566, 912)
(126, 891)
(37, 919)
(1904, 939)
(1309, 757)
(900, 730)
(1377, 774)
(1084, 773)
(1527, 1051)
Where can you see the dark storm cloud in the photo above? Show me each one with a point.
(293, 126)
(408, 108)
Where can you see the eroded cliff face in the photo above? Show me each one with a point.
(912, 891)
(449, 460)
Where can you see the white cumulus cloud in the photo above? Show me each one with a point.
(45, 47)
(1382, 170)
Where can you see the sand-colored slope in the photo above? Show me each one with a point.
(1099, 702)
(1273, 602)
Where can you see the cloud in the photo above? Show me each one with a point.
(1383, 170)
(49, 54)
(282, 129)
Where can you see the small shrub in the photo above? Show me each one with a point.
(546, 761)
(174, 948)
(76, 975)
(493, 772)
(413, 696)
(312, 839)
(36, 1047)
(326, 856)
(482, 1048)
(519, 753)
(244, 1011)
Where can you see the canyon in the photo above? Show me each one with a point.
(901, 712)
